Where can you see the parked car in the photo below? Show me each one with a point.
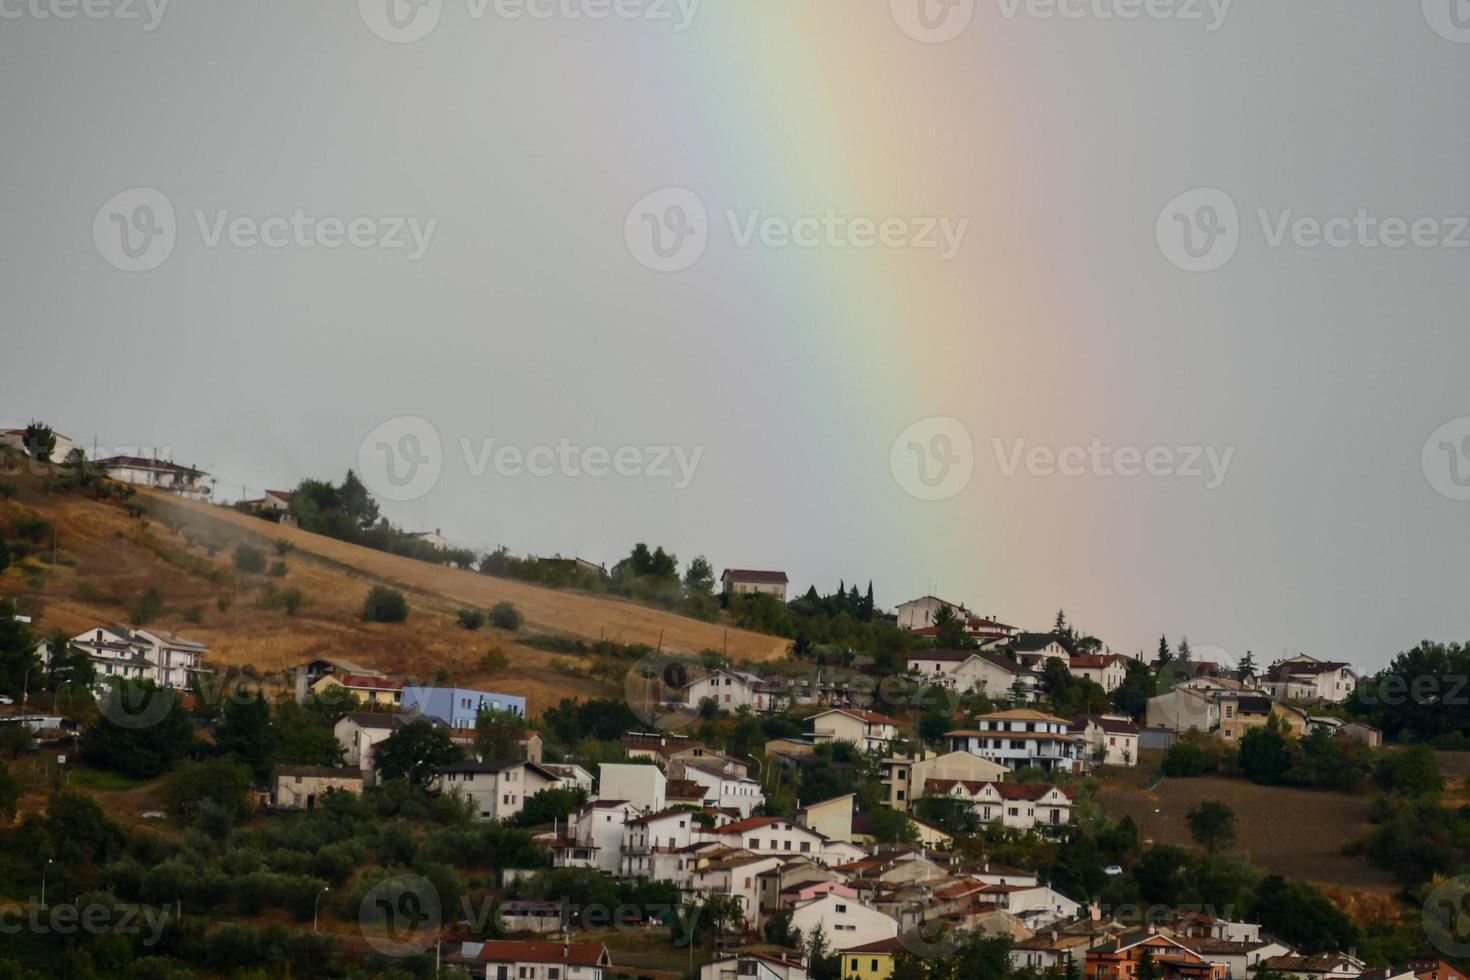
(1113, 869)
(6, 699)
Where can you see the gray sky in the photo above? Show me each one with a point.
(1050, 146)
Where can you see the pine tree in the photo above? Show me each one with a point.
(1185, 655)
(1165, 654)
(867, 607)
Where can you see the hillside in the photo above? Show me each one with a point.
(108, 559)
(1284, 830)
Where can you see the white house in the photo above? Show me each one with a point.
(434, 539)
(1303, 678)
(569, 774)
(1183, 710)
(1111, 740)
(594, 836)
(1108, 670)
(1021, 806)
(920, 613)
(972, 670)
(15, 439)
(830, 818)
(734, 875)
(1243, 957)
(748, 581)
(1021, 737)
(642, 785)
(166, 659)
(514, 960)
(498, 790)
(733, 690)
(752, 965)
(360, 731)
(843, 921)
(666, 832)
(774, 835)
(865, 729)
(161, 474)
(725, 790)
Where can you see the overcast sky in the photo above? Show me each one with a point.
(988, 363)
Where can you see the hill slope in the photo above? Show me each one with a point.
(108, 559)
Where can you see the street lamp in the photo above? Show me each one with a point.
(44, 868)
(316, 906)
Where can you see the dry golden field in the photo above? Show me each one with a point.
(109, 558)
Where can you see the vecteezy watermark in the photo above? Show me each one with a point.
(933, 459)
(1208, 464)
(1450, 19)
(403, 459)
(401, 915)
(136, 230)
(96, 918)
(1446, 459)
(932, 21)
(406, 21)
(1200, 230)
(1446, 917)
(1211, 13)
(669, 230)
(148, 12)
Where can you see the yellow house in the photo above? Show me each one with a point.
(873, 961)
(367, 689)
(1240, 712)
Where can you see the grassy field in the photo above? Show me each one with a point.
(1295, 832)
(109, 559)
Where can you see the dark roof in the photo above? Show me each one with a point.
(1115, 725)
(333, 772)
(1031, 642)
(144, 463)
(755, 575)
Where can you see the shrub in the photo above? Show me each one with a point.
(506, 616)
(249, 558)
(7, 490)
(194, 614)
(277, 569)
(283, 547)
(471, 619)
(33, 529)
(1184, 759)
(149, 607)
(495, 660)
(385, 605)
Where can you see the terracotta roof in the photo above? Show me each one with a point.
(881, 946)
(578, 954)
(1021, 714)
(871, 717)
(751, 823)
(1115, 725)
(364, 681)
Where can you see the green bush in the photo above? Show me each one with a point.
(385, 605)
(471, 619)
(149, 607)
(249, 558)
(506, 616)
(1184, 759)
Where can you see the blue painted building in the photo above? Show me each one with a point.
(458, 707)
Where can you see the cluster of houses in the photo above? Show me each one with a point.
(847, 904)
(123, 653)
(1230, 704)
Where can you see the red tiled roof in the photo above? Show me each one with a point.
(371, 683)
(578, 954)
(749, 823)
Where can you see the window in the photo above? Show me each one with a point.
(842, 909)
(854, 966)
(900, 794)
(553, 973)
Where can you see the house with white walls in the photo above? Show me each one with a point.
(1020, 806)
(867, 730)
(725, 790)
(844, 922)
(1021, 737)
(593, 837)
(830, 818)
(774, 835)
(732, 690)
(750, 581)
(664, 832)
(643, 785)
(990, 672)
(735, 875)
(160, 474)
(1107, 670)
(498, 790)
(508, 959)
(1304, 678)
(1110, 740)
